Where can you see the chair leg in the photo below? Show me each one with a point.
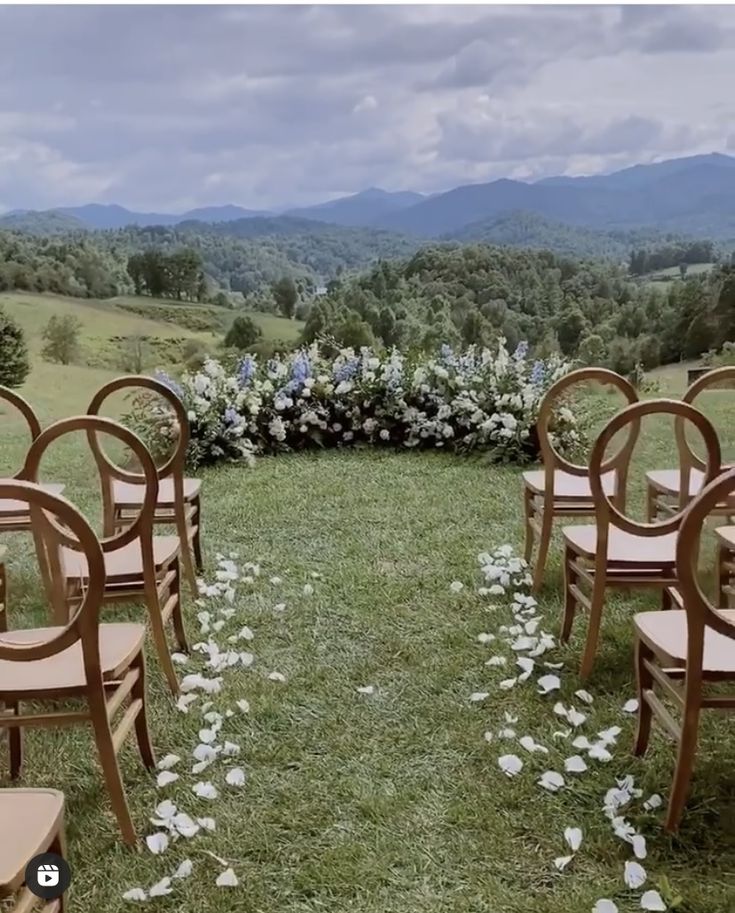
(58, 846)
(197, 539)
(686, 755)
(187, 558)
(176, 614)
(142, 732)
(597, 602)
(159, 636)
(644, 681)
(723, 578)
(651, 503)
(110, 767)
(528, 514)
(547, 520)
(570, 603)
(15, 744)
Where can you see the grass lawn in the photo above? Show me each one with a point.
(104, 322)
(390, 802)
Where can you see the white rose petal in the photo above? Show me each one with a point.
(276, 677)
(635, 875)
(456, 586)
(204, 790)
(184, 870)
(510, 764)
(561, 862)
(235, 777)
(161, 888)
(573, 836)
(167, 762)
(584, 696)
(366, 689)
(243, 706)
(631, 706)
(166, 777)
(548, 683)
(551, 780)
(478, 696)
(227, 879)
(639, 846)
(605, 906)
(157, 843)
(652, 900)
(575, 765)
(655, 801)
(135, 894)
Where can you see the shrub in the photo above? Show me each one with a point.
(61, 339)
(14, 365)
(243, 333)
(478, 399)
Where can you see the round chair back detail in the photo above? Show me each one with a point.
(84, 622)
(175, 463)
(550, 457)
(26, 410)
(700, 611)
(142, 527)
(692, 460)
(607, 511)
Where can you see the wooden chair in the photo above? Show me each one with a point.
(561, 488)
(178, 503)
(617, 551)
(670, 490)
(83, 662)
(13, 516)
(138, 565)
(685, 651)
(32, 823)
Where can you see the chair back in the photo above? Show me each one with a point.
(551, 458)
(26, 410)
(142, 527)
(84, 623)
(689, 460)
(607, 512)
(700, 611)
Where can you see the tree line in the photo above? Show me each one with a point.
(664, 256)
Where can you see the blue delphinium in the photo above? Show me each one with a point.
(169, 382)
(300, 368)
(347, 370)
(521, 350)
(538, 373)
(231, 416)
(246, 371)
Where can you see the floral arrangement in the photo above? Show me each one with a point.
(477, 399)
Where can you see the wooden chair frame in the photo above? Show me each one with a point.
(185, 516)
(541, 508)
(159, 589)
(659, 498)
(17, 521)
(685, 684)
(103, 697)
(599, 572)
(53, 841)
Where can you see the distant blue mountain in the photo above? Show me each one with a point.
(361, 209)
(110, 215)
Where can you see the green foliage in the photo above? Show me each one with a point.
(243, 333)
(198, 318)
(14, 364)
(135, 354)
(168, 275)
(61, 339)
(679, 254)
(286, 296)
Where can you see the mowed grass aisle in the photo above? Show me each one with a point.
(390, 802)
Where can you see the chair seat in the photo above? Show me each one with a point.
(30, 820)
(726, 536)
(10, 508)
(666, 633)
(119, 645)
(567, 485)
(622, 547)
(669, 481)
(128, 494)
(123, 563)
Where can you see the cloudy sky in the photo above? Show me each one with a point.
(165, 108)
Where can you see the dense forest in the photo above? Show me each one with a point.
(588, 310)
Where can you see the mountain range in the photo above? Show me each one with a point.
(693, 196)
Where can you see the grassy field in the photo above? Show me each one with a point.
(105, 322)
(663, 278)
(391, 802)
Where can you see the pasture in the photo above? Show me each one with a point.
(390, 801)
